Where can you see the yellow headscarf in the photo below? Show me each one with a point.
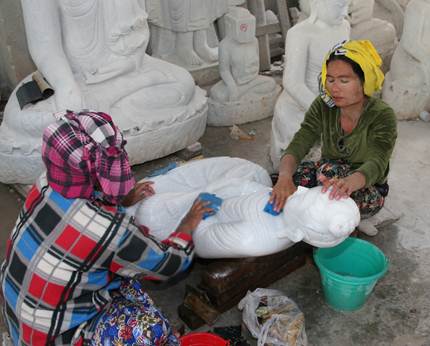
(364, 54)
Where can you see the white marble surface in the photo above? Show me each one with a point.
(183, 31)
(407, 84)
(93, 55)
(306, 45)
(364, 26)
(241, 228)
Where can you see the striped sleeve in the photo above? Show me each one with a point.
(140, 253)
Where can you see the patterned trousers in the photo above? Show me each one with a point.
(369, 199)
(131, 319)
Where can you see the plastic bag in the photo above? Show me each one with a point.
(273, 318)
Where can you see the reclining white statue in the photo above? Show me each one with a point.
(241, 228)
(93, 54)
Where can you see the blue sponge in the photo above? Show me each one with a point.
(215, 203)
(163, 170)
(269, 209)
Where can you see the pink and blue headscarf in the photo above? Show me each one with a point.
(83, 152)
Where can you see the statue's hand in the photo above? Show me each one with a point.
(233, 93)
(69, 96)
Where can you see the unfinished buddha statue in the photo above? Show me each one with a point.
(92, 52)
(391, 11)
(306, 45)
(407, 84)
(180, 29)
(242, 95)
(241, 228)
(365, 27)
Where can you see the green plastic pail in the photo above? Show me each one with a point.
(349, 271)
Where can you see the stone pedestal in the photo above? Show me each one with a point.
(249, 108)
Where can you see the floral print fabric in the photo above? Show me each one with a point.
(369, 199)
(132, 319)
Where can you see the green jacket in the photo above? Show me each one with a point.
(367, 148)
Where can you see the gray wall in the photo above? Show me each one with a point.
(15, 61)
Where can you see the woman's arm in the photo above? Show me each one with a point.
(308, 134)
(284, 187)
(141, 253)
(382, 136)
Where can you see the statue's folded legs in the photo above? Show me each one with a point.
(93, 55)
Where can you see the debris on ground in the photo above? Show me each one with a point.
(238, 134)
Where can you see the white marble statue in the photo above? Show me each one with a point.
(365, 27)
(242, 95)
(93, 54)
(391, 11)
(382, 30)
(407, 85)
(306, 45)
(181, 27)
(241, 228)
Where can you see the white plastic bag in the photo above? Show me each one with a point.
(273, 318)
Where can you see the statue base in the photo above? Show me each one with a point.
(160, 133)
(251, 107)
(205, 75)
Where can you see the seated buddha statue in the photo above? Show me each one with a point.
(365, 27)
(407, 84)
(181, 29)
(306, 45)
(242, 95)
(92, 53)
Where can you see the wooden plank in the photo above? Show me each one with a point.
(284, 17)
(267, 29)
(257, 8)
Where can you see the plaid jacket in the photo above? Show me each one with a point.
(65, 256)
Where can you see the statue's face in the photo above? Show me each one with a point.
(332, 12)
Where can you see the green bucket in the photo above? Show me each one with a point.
(349, 271)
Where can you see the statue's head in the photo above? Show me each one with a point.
(332, 12)
(319, 220)
(240, 24)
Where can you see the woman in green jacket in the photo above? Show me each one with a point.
(357, 133)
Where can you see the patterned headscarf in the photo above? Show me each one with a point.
(83, 151)
(364, 54)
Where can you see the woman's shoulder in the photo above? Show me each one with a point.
(380, 109)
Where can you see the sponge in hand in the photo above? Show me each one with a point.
(215, 203)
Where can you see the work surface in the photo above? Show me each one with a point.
(398, 310)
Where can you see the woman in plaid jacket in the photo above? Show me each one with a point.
(72, 258)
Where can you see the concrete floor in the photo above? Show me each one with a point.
(398, 310)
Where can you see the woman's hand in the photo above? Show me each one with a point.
(283, 189)
(139, 192)
(343, 187)
(190, 221)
